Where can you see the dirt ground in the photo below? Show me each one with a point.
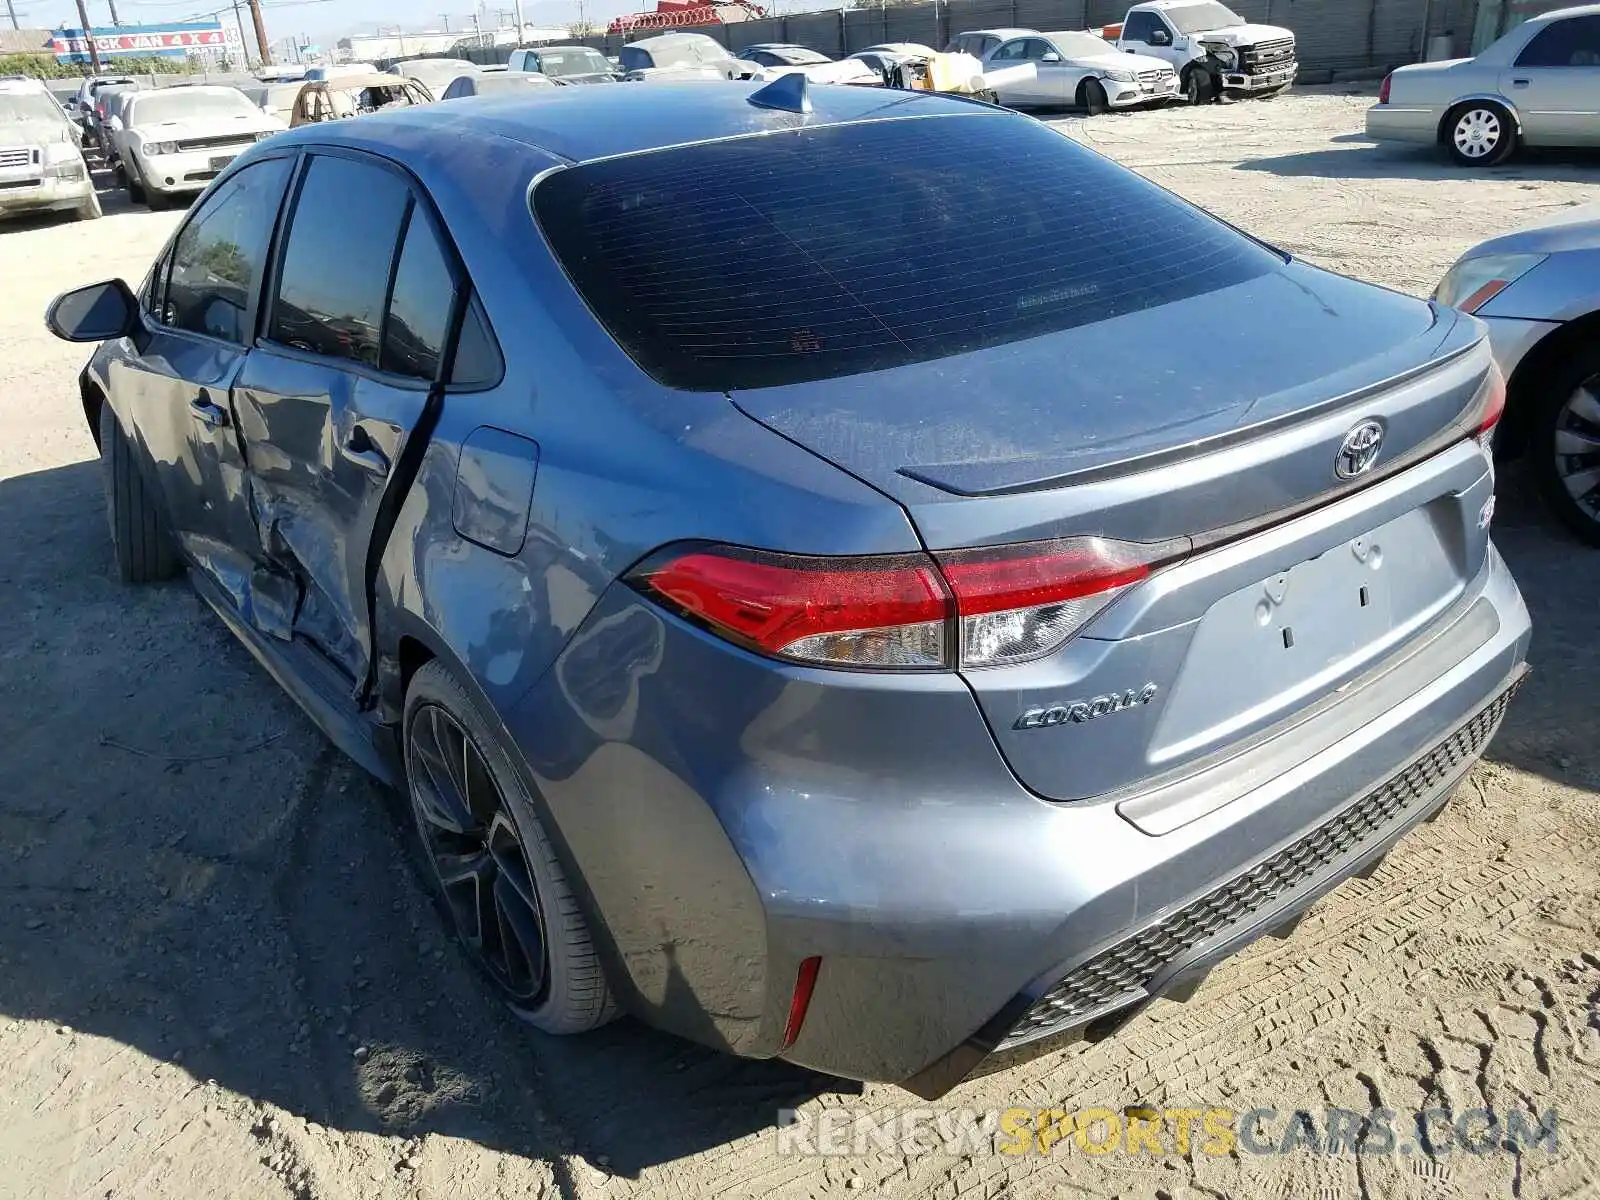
(220, 977)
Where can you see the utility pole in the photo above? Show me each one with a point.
(115, 20)
(446, 17)
(12, 13)
(261, 33)
(88, 38)
(519, 21)
(244, 45)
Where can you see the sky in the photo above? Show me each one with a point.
(327, 20)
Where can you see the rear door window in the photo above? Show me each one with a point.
(1139, 26)
(338, 259)
(761, 261)
(1574, 42)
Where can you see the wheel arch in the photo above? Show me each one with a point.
(94, 400)
(1442, 133)
(1533, 374)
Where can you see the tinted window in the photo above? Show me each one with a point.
(766, 260)
(1140, 25)
(337, 262)
(634, 59)
(1035, 49)
(1574, 42)
(419, 312)
(218, 258)
(1012, 51)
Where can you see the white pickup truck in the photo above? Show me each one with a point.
(1215, 51)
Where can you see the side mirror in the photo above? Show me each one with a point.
(1051, 56)
(1160, 37)
(96, 313)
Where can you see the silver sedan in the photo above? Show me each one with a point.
(1539, 292)
(1537, 86)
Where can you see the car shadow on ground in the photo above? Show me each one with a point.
(1367, 159)
(189, 868)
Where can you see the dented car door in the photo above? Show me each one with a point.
(200, 307)
(335, 387)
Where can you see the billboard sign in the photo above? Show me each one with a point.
(142, 41)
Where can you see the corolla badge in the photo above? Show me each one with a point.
(1076, 712)
(1359, 450)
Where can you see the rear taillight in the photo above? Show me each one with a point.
(973, 608)
(1383, 92)
(1491, 407)
(1022, 601)
(879, 611)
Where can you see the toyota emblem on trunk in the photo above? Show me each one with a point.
(1359, 450)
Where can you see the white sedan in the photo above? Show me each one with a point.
(1075, 69)
(174, 141)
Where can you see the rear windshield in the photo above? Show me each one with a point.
(634, 59)
(805, 255)
(557, 63)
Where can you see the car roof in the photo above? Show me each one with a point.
(191, 89)
(584, 124)
(1577, 10)
(18, 86)
(999, 33)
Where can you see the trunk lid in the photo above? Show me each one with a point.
(1200, 421)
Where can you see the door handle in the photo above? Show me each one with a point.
(1520, 82)
(203, 409)
(360, 449)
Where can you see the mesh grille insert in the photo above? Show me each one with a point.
(1122, 973)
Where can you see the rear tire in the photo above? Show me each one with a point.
(1565, 445)
(485, 835)
(1479, 134)
(1092, 97)
(140, 540)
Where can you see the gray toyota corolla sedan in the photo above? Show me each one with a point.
(851, 577)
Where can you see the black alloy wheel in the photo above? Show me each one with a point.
(477, 854)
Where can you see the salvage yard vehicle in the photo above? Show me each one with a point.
(1538, 290)
(174, 141)
(497, 84)
(991, 710)
(354, 96)
(1077, 68)
(41, 165)
(564, 64)
(669, 56)
(435, 74)
(1539, 85)
(781, 54)
(1216, 52)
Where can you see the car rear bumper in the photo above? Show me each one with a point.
(1403, 123)
(728, 818)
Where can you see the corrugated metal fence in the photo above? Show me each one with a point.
(1335, 36)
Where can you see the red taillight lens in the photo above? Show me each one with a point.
(975, 608)
(1022, 601)
(879, 611)
(1491, 408)
(1383, 92)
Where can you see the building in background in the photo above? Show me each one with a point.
(532, 35)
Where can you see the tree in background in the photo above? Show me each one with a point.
(45, 66)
